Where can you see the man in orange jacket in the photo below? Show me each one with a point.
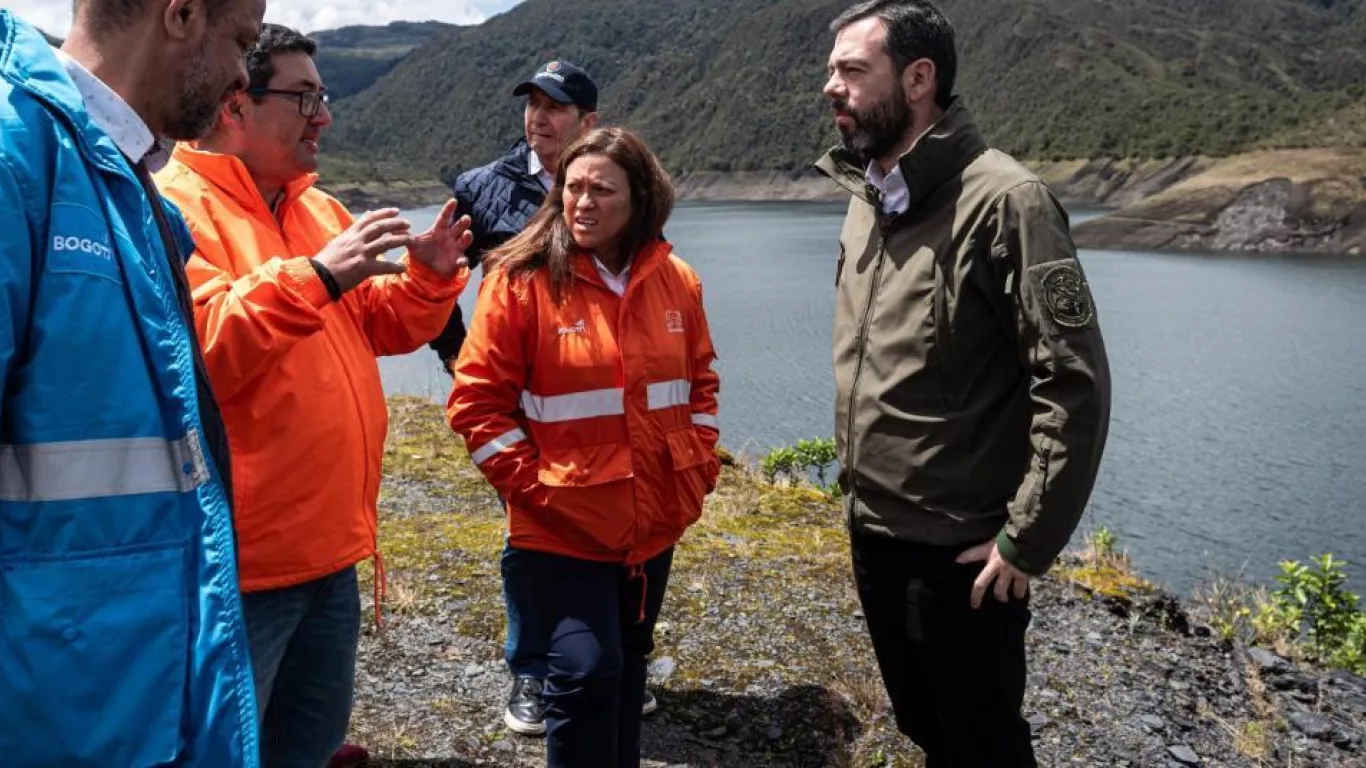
(293, 302)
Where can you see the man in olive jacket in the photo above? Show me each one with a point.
(972, 383)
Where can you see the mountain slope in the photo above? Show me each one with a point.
(734, 85)
(351, 59)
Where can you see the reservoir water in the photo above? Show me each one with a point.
(1238, 434)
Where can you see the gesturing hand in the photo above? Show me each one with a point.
(443, 246)
(354, 256)
(1009, 579)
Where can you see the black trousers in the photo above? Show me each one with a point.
(956, 676)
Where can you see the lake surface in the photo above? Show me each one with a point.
(1238, 433)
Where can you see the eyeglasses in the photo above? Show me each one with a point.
(310, 102)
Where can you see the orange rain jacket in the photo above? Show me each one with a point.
(295, 372)
(594, 418)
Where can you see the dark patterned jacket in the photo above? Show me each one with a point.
(501, 198)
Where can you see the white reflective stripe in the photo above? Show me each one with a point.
(497, 445)
(668, 394)
(93, 469)
(579, 405)
(706, 420)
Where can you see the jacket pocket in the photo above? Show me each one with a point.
(93, 658)
(587, 500)
(695, 469)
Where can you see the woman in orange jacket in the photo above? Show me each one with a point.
(586, 395)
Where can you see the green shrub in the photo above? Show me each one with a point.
(801, 461)
(1313, 609)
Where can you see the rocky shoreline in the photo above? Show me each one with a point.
(1284, 201)
(762, 658)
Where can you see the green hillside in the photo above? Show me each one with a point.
(351, 59)
(734, 85)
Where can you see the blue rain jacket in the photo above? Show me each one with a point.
(122, 640)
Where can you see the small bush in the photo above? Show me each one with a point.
(1313, 607)
(1103, 543)
(1310, 614)
(801, 462)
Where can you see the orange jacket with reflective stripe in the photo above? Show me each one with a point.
(294, 371)
(595, 418)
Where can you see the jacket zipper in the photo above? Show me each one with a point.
(883, 226)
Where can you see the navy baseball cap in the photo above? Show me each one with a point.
(564, 83)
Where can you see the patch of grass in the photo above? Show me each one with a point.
(1254, 739)
(1227, 607)
(1100, 568)
(864, 691)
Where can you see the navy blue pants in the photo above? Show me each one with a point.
(599, 619)
(525, 648)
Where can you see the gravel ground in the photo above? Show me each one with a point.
(763, 660)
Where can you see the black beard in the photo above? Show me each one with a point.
(878, 130)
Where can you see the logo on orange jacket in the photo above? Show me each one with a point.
(673, 320)
(579, 327)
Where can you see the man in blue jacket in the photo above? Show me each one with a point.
(121, 633)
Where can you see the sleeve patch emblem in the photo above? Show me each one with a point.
(1067, 296)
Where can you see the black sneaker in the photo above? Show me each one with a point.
(650, 705)
(525, 713)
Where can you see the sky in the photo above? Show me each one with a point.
(308, 15)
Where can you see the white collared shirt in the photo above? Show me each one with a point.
(534, 166)
(111, 114)
(616, 282)
(895, 194)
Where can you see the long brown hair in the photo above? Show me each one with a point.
(547, 241)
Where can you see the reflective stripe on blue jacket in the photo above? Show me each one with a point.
(121, 634)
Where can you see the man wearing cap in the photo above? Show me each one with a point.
(501, 197)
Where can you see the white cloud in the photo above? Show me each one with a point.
(311, 15)
(52, 15)
(307, 15)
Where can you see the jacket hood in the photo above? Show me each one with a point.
(229, 174)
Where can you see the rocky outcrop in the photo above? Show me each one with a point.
(1318, 708)
(1115, 183)
(1282, 202)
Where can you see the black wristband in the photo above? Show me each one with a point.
(330, 282)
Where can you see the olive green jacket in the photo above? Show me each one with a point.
(973, 390)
